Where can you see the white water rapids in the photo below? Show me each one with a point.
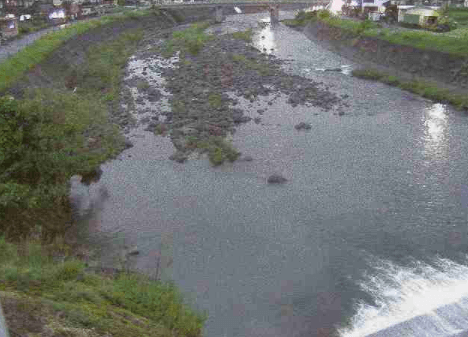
(420, 300)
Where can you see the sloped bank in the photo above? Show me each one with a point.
(68, 126)
(407, 66)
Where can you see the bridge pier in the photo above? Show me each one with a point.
(274, 14)
(219, 14)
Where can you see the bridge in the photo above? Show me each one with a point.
(272, 5)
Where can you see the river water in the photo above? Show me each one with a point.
(369, 233)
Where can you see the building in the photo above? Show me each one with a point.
(9, 27)
(373, 6)
(417, 15)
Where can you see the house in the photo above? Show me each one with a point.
(74, 11)
(8, 27)
(373, 6)
(417, 15)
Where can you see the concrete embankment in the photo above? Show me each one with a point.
(406, 62)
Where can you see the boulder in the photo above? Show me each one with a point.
(303, 126)
(276, 179)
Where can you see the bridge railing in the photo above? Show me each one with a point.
(214, 2)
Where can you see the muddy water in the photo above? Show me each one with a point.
(368, 233)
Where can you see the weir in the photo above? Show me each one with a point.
(451, 320)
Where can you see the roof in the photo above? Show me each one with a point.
(421, 10)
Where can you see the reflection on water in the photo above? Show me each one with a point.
(265, 39)
(435, 128)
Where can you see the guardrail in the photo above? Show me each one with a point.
(239, 2)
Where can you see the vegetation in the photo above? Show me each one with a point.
(454, 42)
(460, 15)
(301, 19)
(52, 134)
(253, 64)
(219, 149)
(40, 294)
(245, 35)
(215, 100)
(190, 40)
(424, 89)
(14, 67)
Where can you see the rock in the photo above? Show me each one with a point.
(153, 94)
(179, 157)
(260, 111)
(245, 158)
(270, 103)
(133, 251)
(276, 179)
(128, 144)
(303, 126)
(257, 120)
(238, 116)
(215, 130)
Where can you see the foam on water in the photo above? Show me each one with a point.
(420, 300)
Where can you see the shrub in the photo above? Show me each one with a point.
(324, 14)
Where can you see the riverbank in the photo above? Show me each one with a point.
(48, 290)
(430, 64)
(58, 120)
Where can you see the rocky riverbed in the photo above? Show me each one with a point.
(195, 98)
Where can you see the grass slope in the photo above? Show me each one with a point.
(425, 89)
(41, 296)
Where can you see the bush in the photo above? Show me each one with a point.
(324, 14)
(363, 26)
(42, 145)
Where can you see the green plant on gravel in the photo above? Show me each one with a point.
(215, 100)
(245, 35)
(142, 84)
(190, 40)
(254, 64)
(219, 150)
(239, 58)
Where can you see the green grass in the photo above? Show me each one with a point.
(219, 149)
(66, 297)
(46, 138)
(190, 40)
(245, 35)
(454, 42)
(425, 89)
(14, 67)
(460, 15)
(254, 64)
(215, 100)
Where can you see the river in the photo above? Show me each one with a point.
(369, 233)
